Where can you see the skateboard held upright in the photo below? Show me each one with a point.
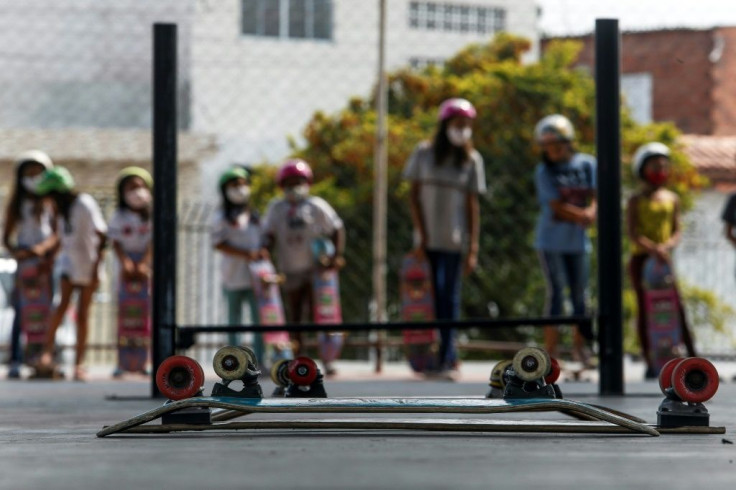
(326, 294)
(662, 306)
(34, 288)
(266, 282)
(417, 304)
(134, 323)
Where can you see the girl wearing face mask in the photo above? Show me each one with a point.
(291, 225)
(29, 236)
(447, 175)
(565, 182)
(131, 231)
(653, 226)
(236, 233)
(82, 234)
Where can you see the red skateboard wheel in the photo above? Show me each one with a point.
(665, 374)
(179, 377)
(302, 371)
(554, 371)
(695, 380)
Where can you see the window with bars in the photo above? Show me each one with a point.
(297, 19)
(451, 17)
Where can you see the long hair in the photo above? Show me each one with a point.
(231, 211)
(64, 201)
(20, 194)
(444, 149)
(145, 212)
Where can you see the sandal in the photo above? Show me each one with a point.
(80, 374)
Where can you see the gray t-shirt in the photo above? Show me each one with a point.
(295, 226)
(443, 195)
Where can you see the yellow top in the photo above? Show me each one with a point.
(654, 220)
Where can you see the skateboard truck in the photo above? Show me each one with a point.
(524, 376)
(305, 379)
(237, 363)
(686, 384)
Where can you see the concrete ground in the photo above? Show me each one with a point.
(47, 440)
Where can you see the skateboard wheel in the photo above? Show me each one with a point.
(231, 363)
(280, 373)
(665, 374)
(251, 355)
(497, 379)
(531, 363)
(695, 380)
(554, 371)
(179, 377)
(302, 371)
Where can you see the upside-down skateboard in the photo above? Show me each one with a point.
(134, 323)
(181, 379)
(265, 283)
(417, 304)
(662, 307)
(326, 299)
(34, 289)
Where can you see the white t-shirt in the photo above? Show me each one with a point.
(32, 230)
(130, 231)
(443, 194)
(295, 226)
(80, 240)
(244, 234)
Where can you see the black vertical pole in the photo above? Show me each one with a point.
(164, 200)
(608, 143)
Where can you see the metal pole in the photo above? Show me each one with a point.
(608, 142)
(164, 199)
(380, 187)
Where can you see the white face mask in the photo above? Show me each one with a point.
(459, 136)
(238, 195)
(30, 183)
(138, 198)
(297, 193)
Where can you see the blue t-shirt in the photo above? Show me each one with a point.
(573, 183)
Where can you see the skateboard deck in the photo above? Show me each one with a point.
(382, 405)
(265, 283)
(662, 306)
(326, 299)
(134, 323)
(35, 305)
(417, 304)
(424, 424)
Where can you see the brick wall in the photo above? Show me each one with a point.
(683, 78)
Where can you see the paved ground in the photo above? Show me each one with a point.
(47, 441)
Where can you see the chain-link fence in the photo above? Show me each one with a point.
(260, 80)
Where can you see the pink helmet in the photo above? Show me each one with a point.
(294, 168)
(456, 107)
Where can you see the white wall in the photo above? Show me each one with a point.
(255, 91)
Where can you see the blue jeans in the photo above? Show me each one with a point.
(446, 282)
(235, 299)
(571, 270)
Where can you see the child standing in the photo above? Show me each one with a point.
(28, 234)
(82, 231)
(447, 176)
(236, 233)
(131, 232)
(653, 226)
(565, 182)
(292, 224)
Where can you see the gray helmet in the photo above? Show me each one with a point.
(645, 152)
(556, 124)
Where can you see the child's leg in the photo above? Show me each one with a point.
(576, 272)
(234, 313)
(56, 318)
(552, 270)
(16, 352)
(85, 301)
(299, 301)
(258, 346)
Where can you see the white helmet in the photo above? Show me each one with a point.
(645, 152)
(37, 156)
(556, 124)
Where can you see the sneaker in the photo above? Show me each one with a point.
(330, 369)
(651, 373)
(14, 371)
(118, 373)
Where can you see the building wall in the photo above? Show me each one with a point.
(255, 91)
(84, 63)
(683, 77)
(724, 74)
